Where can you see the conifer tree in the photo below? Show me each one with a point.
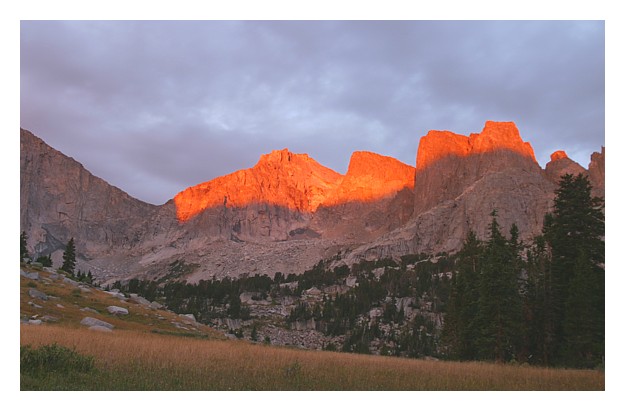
(459, 332)
(564, 294)
(69, 257)
(499, 311)
(575, 232)
(24, 247)
(539, 332)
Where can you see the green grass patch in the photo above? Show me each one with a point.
(53, 358)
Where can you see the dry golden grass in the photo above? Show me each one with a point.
(133, 360)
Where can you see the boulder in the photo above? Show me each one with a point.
(138, 299)
(100, 328)
(90, 322)
(33, 293)
(70, 282)
(351, 281)
(34, 322)
(89, 310)
(29, 275)
(189, 316)
(117, 294)
(115, 310)
(49, 319)
(155, 306)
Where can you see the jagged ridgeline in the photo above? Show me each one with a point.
(370, 261)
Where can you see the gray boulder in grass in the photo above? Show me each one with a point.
(33, 293)
(115, 310)
(90, 322)
(100, 328)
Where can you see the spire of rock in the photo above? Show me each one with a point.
(596, 171)
(560, 165)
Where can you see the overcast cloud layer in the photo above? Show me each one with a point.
(155, 107)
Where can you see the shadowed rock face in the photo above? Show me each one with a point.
(60, 199)
(288, 211)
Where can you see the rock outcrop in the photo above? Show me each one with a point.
(560, 165)
(596, 172)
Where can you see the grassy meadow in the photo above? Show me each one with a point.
(136, 360)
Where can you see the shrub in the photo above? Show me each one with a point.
(53, 358)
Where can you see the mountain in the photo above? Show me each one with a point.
(288, 211)
(61, 199)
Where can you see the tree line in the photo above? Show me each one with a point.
(541, 303)
(69, 259)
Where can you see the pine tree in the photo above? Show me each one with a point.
(459, 332)
(539, 332)
(576, 231)
(499, 311)
(69, 257)
(583, 330)
(45, 260)
(24, 247)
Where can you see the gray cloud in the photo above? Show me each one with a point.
(154, 107)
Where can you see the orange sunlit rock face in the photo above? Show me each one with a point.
(281, 178)
(496, 136)
(371, 177)
(299, 183)
(557, 155)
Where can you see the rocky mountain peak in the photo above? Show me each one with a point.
(557, 155)
(496, 137)
(372, 177)
(449, 163)
(280, 178)
(499, 136)
(277, 157)
(560, 165)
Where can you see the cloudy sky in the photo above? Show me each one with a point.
(155, 107)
